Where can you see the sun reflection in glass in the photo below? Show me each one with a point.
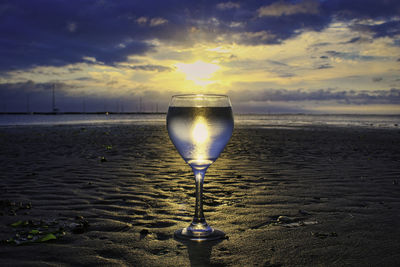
(200, 131)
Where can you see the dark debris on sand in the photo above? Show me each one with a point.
(23, 232)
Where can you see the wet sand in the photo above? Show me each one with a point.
(285, 197)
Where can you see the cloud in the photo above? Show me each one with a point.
(57, 33)
(30, 86)
(377, 79)
(260, 37)
(71, 26)
(69, 97)
(152, 22)
(390, 28)
(362, 9)
(60, 52)
(362, 97)
(84, 79)
(321, 44)
(352, 56)
(14, 97)
(324, 66)
(353, 40)
(228, 5)
(54, 34)
(157, 22)
(378, 18)
(157, 68)
(274, 62)
(283, 8)
(286, 75)
(357, 40)
(142, 20)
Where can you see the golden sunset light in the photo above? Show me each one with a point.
(200, 72)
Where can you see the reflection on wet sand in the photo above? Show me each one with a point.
(199, 252)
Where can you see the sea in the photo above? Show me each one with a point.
(241, 120)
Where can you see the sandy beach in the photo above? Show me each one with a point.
(114, 195)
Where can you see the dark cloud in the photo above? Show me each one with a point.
(157, 68)
(56, 33)
(227, 5)
(239, 107)
(321, 44)
(84, 79)
(357, 40)
(324, 66)
(286, 8)
(353, 40)
(281, 69)
(351, 56)
(30, 86)
(14, 97)
(363, 97)
(286, 75)
(37, 97)
(386, 29)
(359, 11)
(377, 79)
(274, 62)
(362, 9)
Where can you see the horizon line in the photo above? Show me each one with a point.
(164, 113)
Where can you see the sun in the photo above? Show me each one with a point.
(200, 72)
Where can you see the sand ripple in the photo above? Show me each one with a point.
(290, 197)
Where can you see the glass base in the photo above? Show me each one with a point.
(187, 234)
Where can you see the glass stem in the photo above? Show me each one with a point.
(198, 214)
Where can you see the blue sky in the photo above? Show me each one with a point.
(268, 56)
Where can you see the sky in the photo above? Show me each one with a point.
(326, 56)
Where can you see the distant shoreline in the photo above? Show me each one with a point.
(81, 113)
(164, 113)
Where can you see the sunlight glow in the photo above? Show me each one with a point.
(200, 72)
(200, 137)
(200, 131)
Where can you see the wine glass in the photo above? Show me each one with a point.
(199, 126)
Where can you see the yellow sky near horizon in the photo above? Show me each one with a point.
(309, 61)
